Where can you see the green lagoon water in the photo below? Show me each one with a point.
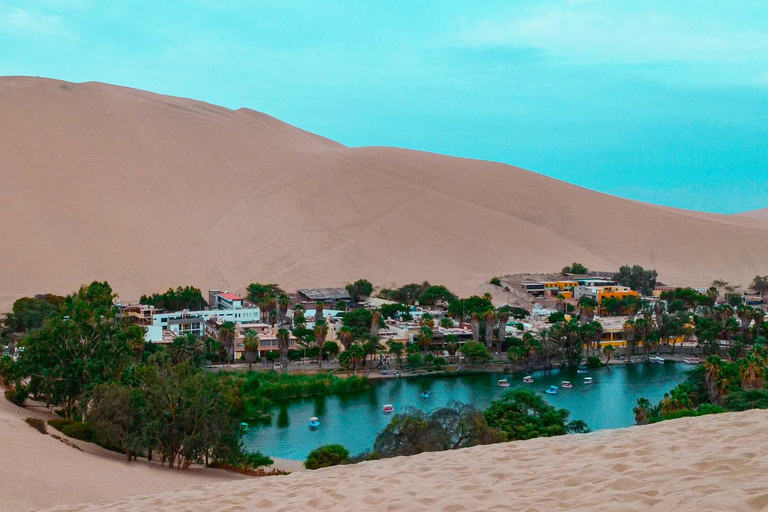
(354, 419)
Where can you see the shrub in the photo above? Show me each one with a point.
(38, 424)
(326, 456)
(495, 281)
(81, 431)
(593, 363)
(17, 395)
(272, 355)
(744, 400)
(59, 424)
(256, 460)
(414, 359)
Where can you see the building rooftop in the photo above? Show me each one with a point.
(326, 294)
(230, 296)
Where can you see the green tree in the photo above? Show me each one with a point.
(475, 352)
(227, 333)
(283, 342)
(637, 278)
(436, 294)
(359, 289)
(257, 292)
(179, 299)
(321, 331)
(575, 268)
(521, 414)
(251, 347)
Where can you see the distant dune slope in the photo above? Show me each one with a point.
(712, 463)
(149, 191)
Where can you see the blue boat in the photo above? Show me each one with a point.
(244, 427)
(552, 390)
(582, 369)
(314, 423)
(425, 394)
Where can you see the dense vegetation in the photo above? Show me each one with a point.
(179, 299)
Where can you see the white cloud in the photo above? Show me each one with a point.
(23, 22)
(592, 30)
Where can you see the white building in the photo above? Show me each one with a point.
(183, 322)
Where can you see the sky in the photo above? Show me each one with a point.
(659, 101)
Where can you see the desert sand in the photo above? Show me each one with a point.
(697, 464)
(150, 191)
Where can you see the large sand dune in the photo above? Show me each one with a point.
(694, 464)
(149, 191)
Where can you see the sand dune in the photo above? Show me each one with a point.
(697, 464)
(149, 191)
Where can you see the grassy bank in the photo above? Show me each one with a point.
(274, 386)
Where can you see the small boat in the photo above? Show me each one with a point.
(314, 422)
(552, 390)
(656, 359)
(582, 369)
(425, 394)
(692, 360)
(566, 384)
(528, 379)
(587, 380)
(389, 408)
(503, 383)
(244, 427)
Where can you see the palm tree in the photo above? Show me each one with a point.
(745, 314)
(424, 338)
(251, 347)
(642, 414)
(502, 333)
(186, 347)
(490, 319)
(752, 371)
(396, 349)
(283, 340)
(345, 337)
(283, 303)
(760, 285)
(428, 320)
(475, 327)
(608, 352)
(375, 323)
(321, 331)
(629, 336)
(357, 353)
(713, 373)
(227, 337)
(319, 307)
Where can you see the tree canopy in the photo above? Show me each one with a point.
(359, 289)
(179, 299)
(637, 278)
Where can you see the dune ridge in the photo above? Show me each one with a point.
(707, 463)
(150, 191)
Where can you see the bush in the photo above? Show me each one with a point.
(256, 460)
(594, 363)
(495, 281)
(17, 395)
(744, 400)
(272, 355)
(81, 431)
(38, 424)
(59, 424)
(414, 360)
(326, 456)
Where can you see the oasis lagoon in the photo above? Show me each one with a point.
(354, 419)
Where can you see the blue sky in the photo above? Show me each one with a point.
(659, 101)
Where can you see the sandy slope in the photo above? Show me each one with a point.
(38, 471)
(709, 463)
(149, 191)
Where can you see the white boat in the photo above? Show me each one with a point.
(503, 383)
(566, 384)
(314, 422)
(692, 360)
(582, 369)
(587, 380)
(389, 408)
(656, 359)
(528, 379)
(552, 390)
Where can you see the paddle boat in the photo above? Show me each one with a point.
(503, 383)
(244, 427)
(425, 394)
(587, 380)
(566, 384)
(552, 390)
(389, 408)
(314, 422)
(582, 369)
(528, 379)
(656, 359)
(692, 360)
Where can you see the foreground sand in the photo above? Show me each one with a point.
(148, 191)
(710, 463)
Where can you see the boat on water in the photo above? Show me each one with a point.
(552, 390)
(587, 380)
(314, 422)
(656, 359)
(425, 394)
(528, 379)
(582, 369)
(244, 427)
(692, 360)
(389, 408)
(566, 384)
(503, 383)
